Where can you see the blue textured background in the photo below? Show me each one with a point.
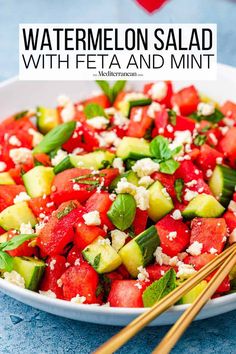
(25, 330)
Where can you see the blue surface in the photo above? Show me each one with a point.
(25, 330)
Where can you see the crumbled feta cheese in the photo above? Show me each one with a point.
(161, 258)
(104, 241)
(213, 250)
(98, 122)
(77, 262)
(63, 100)
(195, 248)
(223, 130)
(205, 109)
(138, 285)
(48, 293)
(50, 204)
(3, 166)
(20, 155)
(161, 130)
(68, 112)
(189, 195)
(78, 299)
(176, 215)
(173, 261)
(158, 91)
(92, 218)
(37, 137)
(213, 138)
(232, 237)
(219, 160)
(181, 138)
(112, 196)
(143, 274)
(209, 173)
(26, 229)
(77, 151)
(14, 278)
(152, 109)
(142, 198)
(76, 187)
(172, 235)
(123, 186)
(118, 239)
(229, 122)
(21, 197)
(185, 270)
(110, 110)
(52, 264)
(165, 193)
(118, 163)
(191, 183)
(176, 109)
(59, 283)
(59, 157)
(39, 226)
(232, 206)
(120, 120)
(145, 167)
(169, 128)
(145, 181)
(138, 115)
(13, 140)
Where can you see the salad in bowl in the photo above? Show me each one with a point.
(117, 199)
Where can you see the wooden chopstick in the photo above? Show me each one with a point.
(188, 316)
(141, 321)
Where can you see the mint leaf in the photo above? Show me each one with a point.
(71, 206)
(20, 115)
(215, 117)
(111, 92)
(159, 288)
(122, 211)
(179, 185)
(55, 138)
(16, 241)
(94, 110)
(172, 116)
(6, 262)
(169, 166)
(159, 148)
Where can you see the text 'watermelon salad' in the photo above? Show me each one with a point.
(118, 199)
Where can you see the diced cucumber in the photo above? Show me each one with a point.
(160, 203)
(126, 106)
(191, 296)
(5, 178)
(102, 256)
(139, 251)
(222, 183)
(38, 181)
(30, 269)
(133, 148)
(47, 119)
(96, 160)
(15, 215)
(203, 205)
(129, 175)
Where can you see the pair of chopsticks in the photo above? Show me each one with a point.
(225, 261)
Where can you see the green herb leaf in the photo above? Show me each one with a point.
(20, 115)
(159, 148)
(66, 210)
(169, 166)
(96, 261)
(159, 288)
(205, 129)
(215, 117)
(199, 140)
(99, 290)
(111, 92)
(122, 211)
(179, 185)
(6, 262)
(56, 137)
(16, 241)
(172, 116)
(94, 110)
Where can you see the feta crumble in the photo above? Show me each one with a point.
(3, 166)
(20, 155)
(232, 206)
(189, 195)
(26, 229)
(145, 181)
(21, 197)
(48, 293)
(209, 173)
(172, 235)
(78, 299)
(98, 122)
(213, 250)
(118, 239)
(205, 109)
(145, 167)
(59, 157)
(14, 278)
(152, 109)
(176, 215)
(195, 248)
(68, 112)
(158, 91)
(92, 218)
(118, 163)
(13, 140)
(142, 198)
(143, 274)
(123, 186)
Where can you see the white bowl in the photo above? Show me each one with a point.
(16, 96)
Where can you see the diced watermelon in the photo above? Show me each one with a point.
(210, 232)
(82, 281)
(8, 194)
(188, 171)
(140, 221)
(85, 234)
(174, 235)
(156, 271)
(41, 205)
(186, 99)
(230, 220)
(207, 158)
(102, 203)
(74, 255)
(167, 181)
(166, 99)
(23, 250)
(126, 293)
(229, 109)
(228, 147)
(140, 122)
(56, 266)
(102, 100)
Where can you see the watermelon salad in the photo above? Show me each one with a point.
(117, 199)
